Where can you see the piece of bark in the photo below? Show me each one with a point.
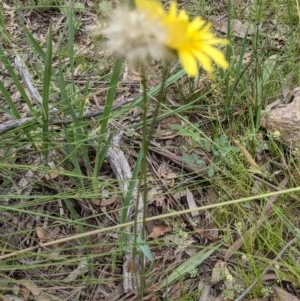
(122, 171)
(284, 119)
(28, 81)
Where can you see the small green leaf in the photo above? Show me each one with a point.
(211, 172)
(144, 248)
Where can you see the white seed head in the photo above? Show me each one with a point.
(135, 36)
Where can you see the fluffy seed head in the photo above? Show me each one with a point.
(135, 36)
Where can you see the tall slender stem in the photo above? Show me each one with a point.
(148, 132)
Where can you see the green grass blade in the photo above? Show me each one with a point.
(106, 114)
(133, 181)
(131, 187)
(46, 91)
(189, 265)
(36, 45)
(239, 71)
(155, 90)
(229, 50)
(71, 149)
(77, 141)
(14, 77)
(262, 83)
(170, 81)
(14, 112)
(4, 35)
(71, 34)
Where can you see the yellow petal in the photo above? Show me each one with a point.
(196, 24)
(216, 41)
(173, 9)
(183, 16)
(216, 56)
(204, 61)
(189, 63)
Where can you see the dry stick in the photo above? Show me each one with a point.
(122, 172)
(12, 124)
(37, 99)
(149, 219)
(249, 288)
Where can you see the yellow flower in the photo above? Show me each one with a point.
(150, 31)
(193, 41)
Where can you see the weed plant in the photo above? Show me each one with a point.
(56, 181)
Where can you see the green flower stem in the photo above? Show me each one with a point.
(146, 138)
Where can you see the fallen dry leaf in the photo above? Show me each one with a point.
(176, 291)
(80, 270)
(160, 231)
(38, 293)
(104, 202)
(204, 289)
(156, 197)
(25, 292)
(242, 28)
(209, 229)
(191, 203)
(53, 174)
(282, 295)
(165, 172)
(269, 276)
(49, 234)
(43, 234)
(219, 273)
(238, 28)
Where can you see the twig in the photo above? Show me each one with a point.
(95, 112)
(37, 99)
(122, 172)
(12, 124)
